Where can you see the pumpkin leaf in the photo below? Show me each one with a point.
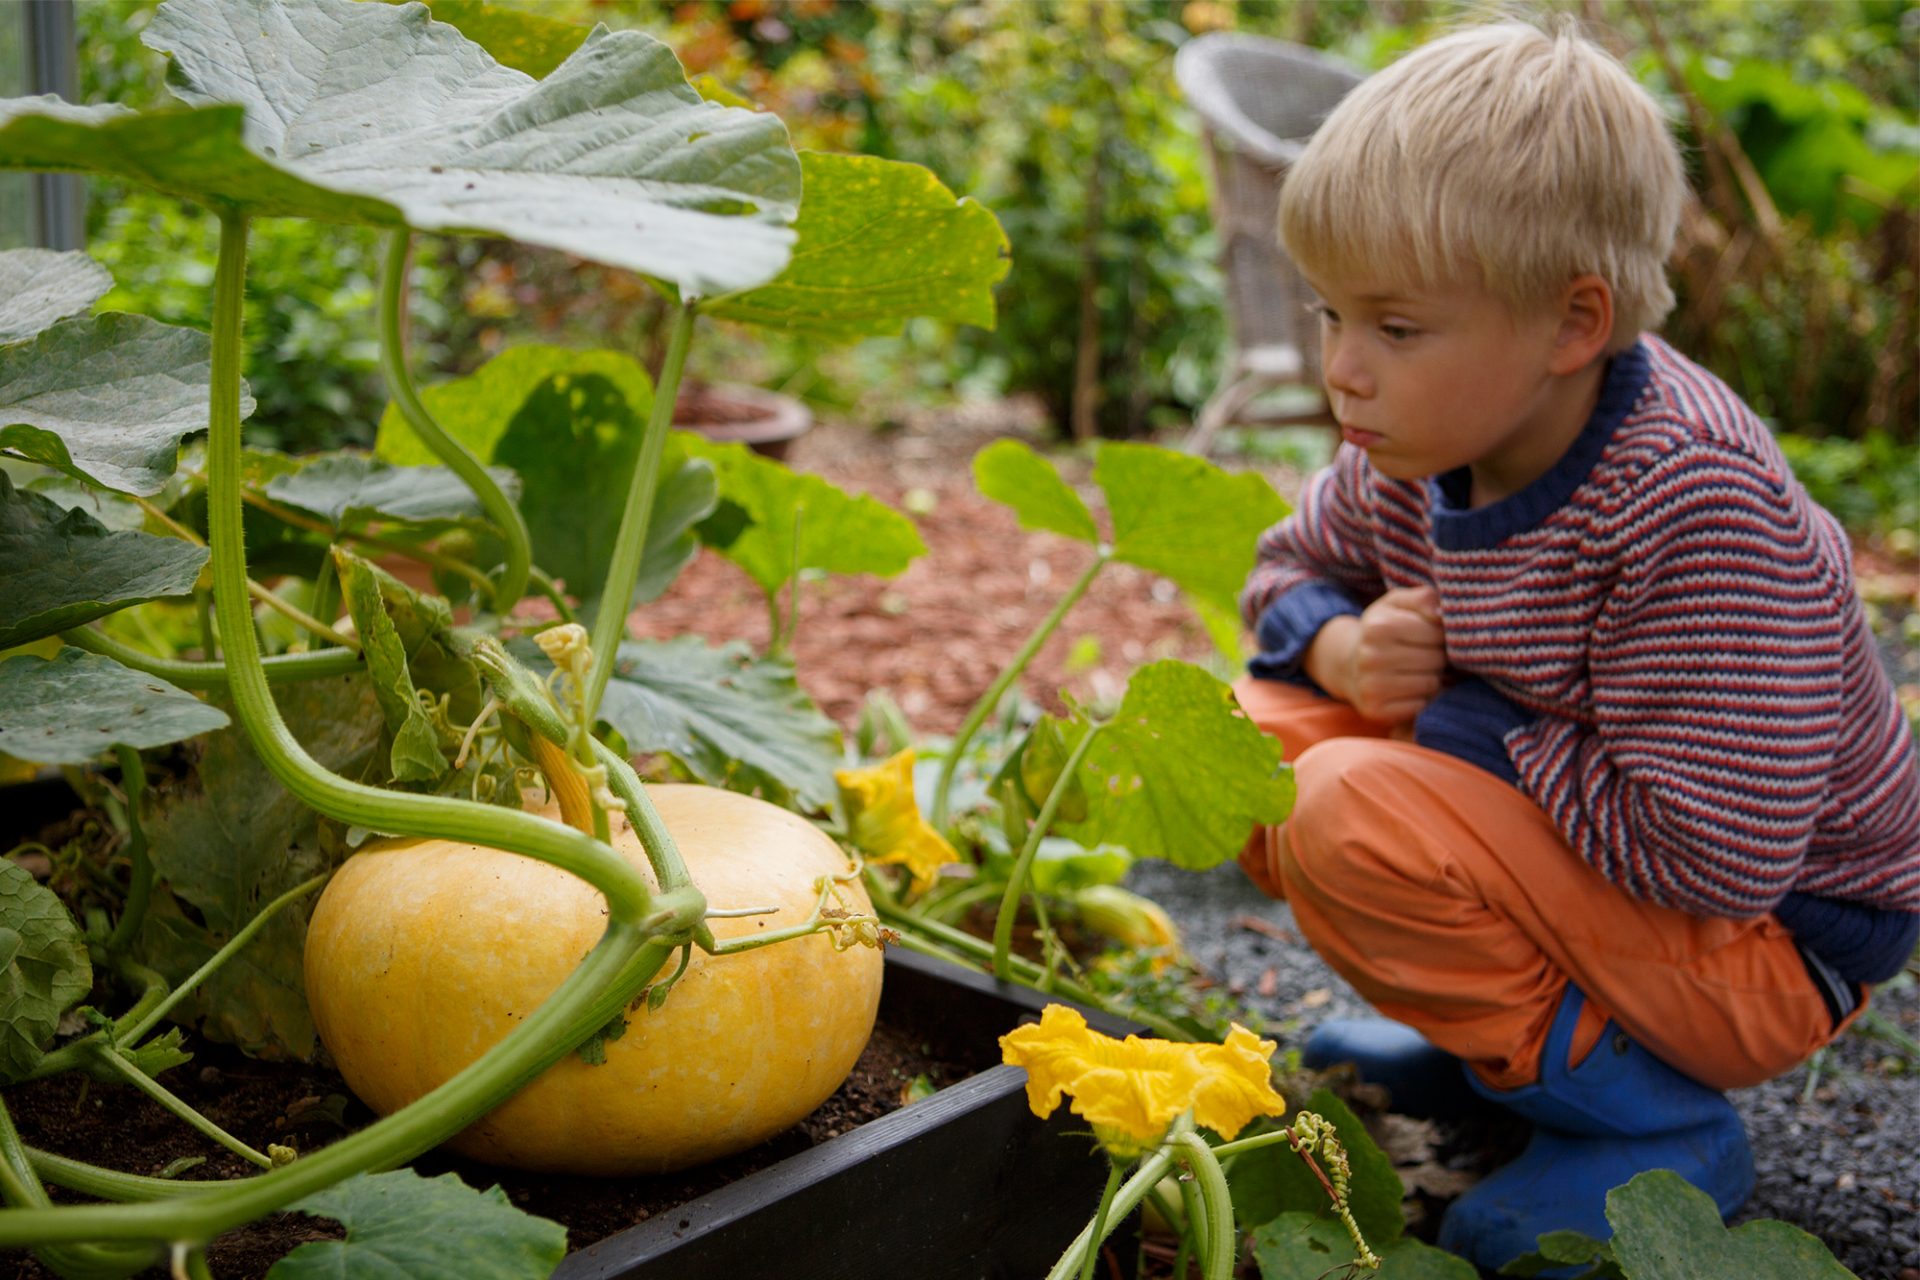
(794, 521)
(880, 242)
(1180, 773)
(415, 754)
(401, 1224)
(478, 409)
(1559, 1250)
(72, 708)
(40, 286)
(368, 113)
(729, 718)
(1012, 474)
(107, 398)
(574, 441)
(1299, 1245)
(229, 840)
(518, 39)
(59, 569)
(43, 969)
(1271, 1181)
(1184, 518)
(1664, 1226)
(349, 490)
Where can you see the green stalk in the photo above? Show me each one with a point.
(1017, 881)
(523, 695)
(1146, 1176)
(512, 583)
(110, 1184)
(203, 609)
(1221, 1250)
(172, 1102)
(630, 543)
(326, 587)
(133, 780)
(991, 698)
(1114, 1172)
(978, 953)
(211, 677)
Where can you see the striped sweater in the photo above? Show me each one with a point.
(1663, 633)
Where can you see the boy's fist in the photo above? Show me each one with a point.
(1387, 663)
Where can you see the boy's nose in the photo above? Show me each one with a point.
(1341, 368)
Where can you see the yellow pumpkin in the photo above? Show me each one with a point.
(422, 954)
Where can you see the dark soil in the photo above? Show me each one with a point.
(308, 1107)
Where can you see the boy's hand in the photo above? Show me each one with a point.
(1387, 663)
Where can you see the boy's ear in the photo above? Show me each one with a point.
(1586, 324)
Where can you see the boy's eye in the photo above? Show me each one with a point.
(1322, 312)
(1396, 332)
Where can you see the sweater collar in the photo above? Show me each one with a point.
(1456, 527)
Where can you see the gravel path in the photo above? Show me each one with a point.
(1836, 1143)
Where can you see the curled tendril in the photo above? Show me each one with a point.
(1311, 1133)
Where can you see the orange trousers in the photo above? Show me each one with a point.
(1449, 900)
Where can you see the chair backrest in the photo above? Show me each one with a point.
(1259, 101)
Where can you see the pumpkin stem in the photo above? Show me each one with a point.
(564, 780)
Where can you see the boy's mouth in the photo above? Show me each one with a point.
(1359, 439)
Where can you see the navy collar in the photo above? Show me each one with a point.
(1457, 527)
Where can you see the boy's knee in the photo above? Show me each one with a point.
(1334, 796)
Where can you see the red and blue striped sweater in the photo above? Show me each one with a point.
(1659, 642)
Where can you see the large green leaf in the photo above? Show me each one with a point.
(106, 398)
(72, 708)
(730, 718)
(795, 521)
(569, 423)
(1179, 773)
(348, 490)
(377, 114)
(61, 568)
(1314, 1246)
(1271, 1181)
(43, 969)
(880, 242)
(1010, 472)
(41, 286)
(1663, 1226)
(401, 1226)
(227, 842)
(516, 38)
(1183, 517)
(574, 442)
(477, 410)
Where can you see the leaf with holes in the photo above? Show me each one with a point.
(880, 242)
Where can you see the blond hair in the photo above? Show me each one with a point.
(1520, 156)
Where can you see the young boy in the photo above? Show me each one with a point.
(1602, 789)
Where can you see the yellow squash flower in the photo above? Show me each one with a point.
(885, 819)
(1131, 1090)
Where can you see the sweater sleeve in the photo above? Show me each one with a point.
(1715, 673)
(1326, 544)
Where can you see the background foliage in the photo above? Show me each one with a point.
(1798, 269)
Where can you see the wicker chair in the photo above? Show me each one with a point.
(1259, 100)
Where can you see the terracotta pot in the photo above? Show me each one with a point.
(765, 421)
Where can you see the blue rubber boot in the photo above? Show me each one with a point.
(1620, 1112)
(1423, 1081)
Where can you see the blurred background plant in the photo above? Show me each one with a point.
(1798, 269)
